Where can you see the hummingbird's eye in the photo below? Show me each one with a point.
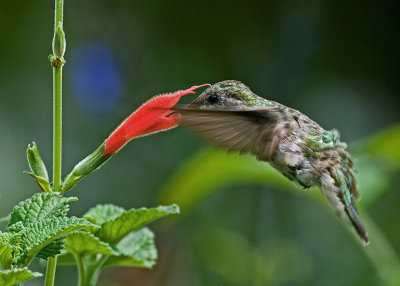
(213, 98)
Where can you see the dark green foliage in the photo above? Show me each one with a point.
(121, 240)
(37, 228)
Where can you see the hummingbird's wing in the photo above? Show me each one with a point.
(256, 131)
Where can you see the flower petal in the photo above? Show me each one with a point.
(152, 116)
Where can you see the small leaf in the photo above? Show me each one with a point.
(84, 243)
(137, 249)
(41, 233)
(101, 214)
(40, 206)
(52, 249)
(115, 230)
(6, 255)
(16, 276)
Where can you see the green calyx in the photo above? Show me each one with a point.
(85, 167)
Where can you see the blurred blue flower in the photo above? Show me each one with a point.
(95, 77)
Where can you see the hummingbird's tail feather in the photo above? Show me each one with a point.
(356, 222)
(340, 188)
(347, 184)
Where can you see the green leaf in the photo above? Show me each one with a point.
(17, 227)
(10, 247)
(52, 249)
(101, 214)
(43, 232)
(137, 249)
(6, 255)
(83, 243)
(11, 238)
(40, 206)
(114, 230)
(16, 276)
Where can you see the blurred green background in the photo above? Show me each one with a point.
(336, 61)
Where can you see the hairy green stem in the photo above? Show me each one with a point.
(81, 269)
(57, 123)
(57, 126)
(57, 105)
(50, 271)
(94, 270)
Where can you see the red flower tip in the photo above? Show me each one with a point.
(154, 115)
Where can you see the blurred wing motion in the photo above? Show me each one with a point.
(260, 131)
(256, 131)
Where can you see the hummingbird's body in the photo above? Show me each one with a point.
(229, 114)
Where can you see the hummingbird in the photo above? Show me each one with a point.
(231, 116)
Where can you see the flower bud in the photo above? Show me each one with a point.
(59, 41)
(39, 171)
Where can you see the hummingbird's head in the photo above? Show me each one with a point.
(225, 94)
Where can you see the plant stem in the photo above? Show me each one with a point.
(57, 127)
(81, 269)
(57, 131)
(94, 270)
(57, 105)
(50, 271)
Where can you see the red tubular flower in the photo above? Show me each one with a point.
(151, 117)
